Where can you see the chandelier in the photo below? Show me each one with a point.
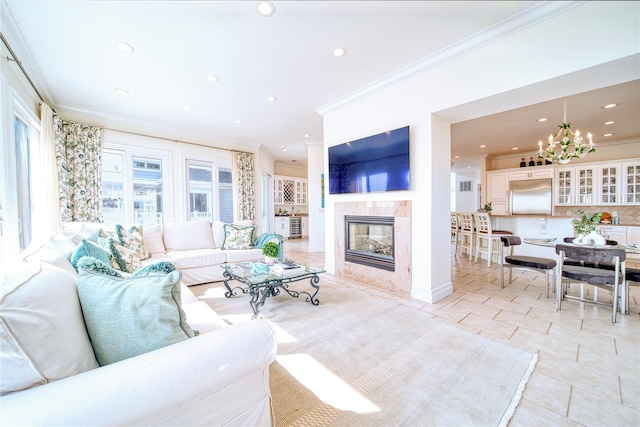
(565, 145)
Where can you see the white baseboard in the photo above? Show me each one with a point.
(433, 295)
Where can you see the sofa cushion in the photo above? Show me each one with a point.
(152, 236)
(246, 255)
(197, 258)
(42, 332)
(182, 236)
(49, 253)
(87, 248)
(132, 239)
(98, 266)
(128, 317)
(237, 237)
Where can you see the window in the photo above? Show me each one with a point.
(200, 191)
(225, 194)
(21, 138)
(147, 190)
(113, 187)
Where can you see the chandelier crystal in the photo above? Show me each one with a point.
(565, 145)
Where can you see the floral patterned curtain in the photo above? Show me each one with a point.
(79, 157)
(246, 179)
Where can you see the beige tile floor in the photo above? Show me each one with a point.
(588, 370)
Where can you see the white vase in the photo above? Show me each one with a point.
(594, 238)
(269, 260)
(578, 240)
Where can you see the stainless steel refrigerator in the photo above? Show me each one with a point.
(531, 197)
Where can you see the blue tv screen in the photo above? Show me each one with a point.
(375, 163)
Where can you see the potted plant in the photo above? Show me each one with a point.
(488, 208)
(585, 228)
(270, 250)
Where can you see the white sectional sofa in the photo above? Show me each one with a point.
(50, 372)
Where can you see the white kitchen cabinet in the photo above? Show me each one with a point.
(305, 226)
(609, 184)
(575, 186)
(531, 173)
(498, 192)
(630, 182)
(289, 190)
(633, 235)
(282, 226)
(613, 232)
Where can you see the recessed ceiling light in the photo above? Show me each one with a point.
(610, 122)
(213, 78)
(468, 167)
(238, 121)
(456, 157)
(125, 47)
(483, 146)
(608, 134)
(609, 106)
(543, 119)
(121, 91)
(306, 135)
(339, 51)
(272, 98)
(265, 8)
(514, 148)
(283, 148)
(188, 108)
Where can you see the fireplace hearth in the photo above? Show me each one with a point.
(369, 240)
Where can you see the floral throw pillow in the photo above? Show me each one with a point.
(237, 237)
(122, 258)
(133, 240)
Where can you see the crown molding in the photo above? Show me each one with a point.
(509, 26)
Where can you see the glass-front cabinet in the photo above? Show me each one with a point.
(609, 184)
(631, 182)
(576, 186)
(289, 190)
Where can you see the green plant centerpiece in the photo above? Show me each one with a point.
(488, 208)
(585, 228)
(270, 250)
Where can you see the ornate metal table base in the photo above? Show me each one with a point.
(260, 292)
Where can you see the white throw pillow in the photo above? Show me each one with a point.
(153, 239)
(42, 331)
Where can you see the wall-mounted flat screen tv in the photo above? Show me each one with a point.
(375, 163)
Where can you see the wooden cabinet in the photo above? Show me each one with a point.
(289, 190)
(498, 192)
(531, 173)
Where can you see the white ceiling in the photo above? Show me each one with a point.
(69, 50)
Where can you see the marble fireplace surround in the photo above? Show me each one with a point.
(398, 281)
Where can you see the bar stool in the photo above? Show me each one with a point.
(522, 261)
(491, 238)
(455, 228)
(467, 233)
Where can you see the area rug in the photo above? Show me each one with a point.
(358, 359)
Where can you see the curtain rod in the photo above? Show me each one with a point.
(175, 140)
(15, 59)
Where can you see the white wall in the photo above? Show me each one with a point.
(608, 31)
(467, 201)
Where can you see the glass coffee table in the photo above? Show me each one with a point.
(266, 280)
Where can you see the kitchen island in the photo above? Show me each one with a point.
(536, 227)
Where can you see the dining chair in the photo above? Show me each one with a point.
(546, 265)
(455, 228)
(467, 233)
(613, 280)
(596, 264)
(487, 239)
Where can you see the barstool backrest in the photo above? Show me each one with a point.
(466, 222)
(455, 224)
(483, 222)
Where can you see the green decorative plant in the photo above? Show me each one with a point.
(271, 249)
(587, 223)
(488, 207)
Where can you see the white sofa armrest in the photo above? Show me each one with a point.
(218, 378)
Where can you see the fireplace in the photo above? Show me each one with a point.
(369, 240)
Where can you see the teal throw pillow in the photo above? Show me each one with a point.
(98, 266)
(87, 248)
(164, 267)
(237, 237)
(122, 258)
(128, 317)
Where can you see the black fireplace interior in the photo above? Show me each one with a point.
(370, 241)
